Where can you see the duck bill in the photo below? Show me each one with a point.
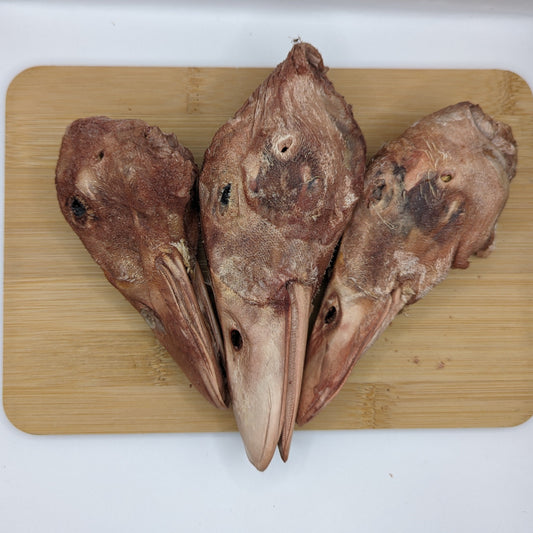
(183, 320)
(265, 353)
(347, 323)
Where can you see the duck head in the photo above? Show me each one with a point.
(278, 185)
(126, 189)
(431, 200)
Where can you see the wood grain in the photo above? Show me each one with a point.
(78, 359)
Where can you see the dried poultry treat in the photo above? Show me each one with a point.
(279, 183)
(431, 200)
(126, 189)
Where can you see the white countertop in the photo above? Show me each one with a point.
(462, 480)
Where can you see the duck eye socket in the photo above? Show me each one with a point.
(78, 208)
(236, 339)
(377, 193)
(446, 178)
(226, 194)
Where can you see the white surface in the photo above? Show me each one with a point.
(372, 481)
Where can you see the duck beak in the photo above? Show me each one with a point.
(182, 319)
(346, 325)
(265, 352)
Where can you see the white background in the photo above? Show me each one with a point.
(368, 481)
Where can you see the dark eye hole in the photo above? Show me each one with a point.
(226, 193)
(78, 208)
(236, 339)
(377, 193)
(330, 315)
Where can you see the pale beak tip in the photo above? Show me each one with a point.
(260, 460)
(307, 413)
(312, 400)
(284, 449)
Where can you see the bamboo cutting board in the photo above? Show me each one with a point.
(79, 359)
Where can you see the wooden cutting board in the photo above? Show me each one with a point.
(78, 358)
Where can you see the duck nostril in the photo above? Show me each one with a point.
(330, 315)
(236, 339)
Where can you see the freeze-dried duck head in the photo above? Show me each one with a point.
(431, 200)
(278, 186)
(126, 189)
